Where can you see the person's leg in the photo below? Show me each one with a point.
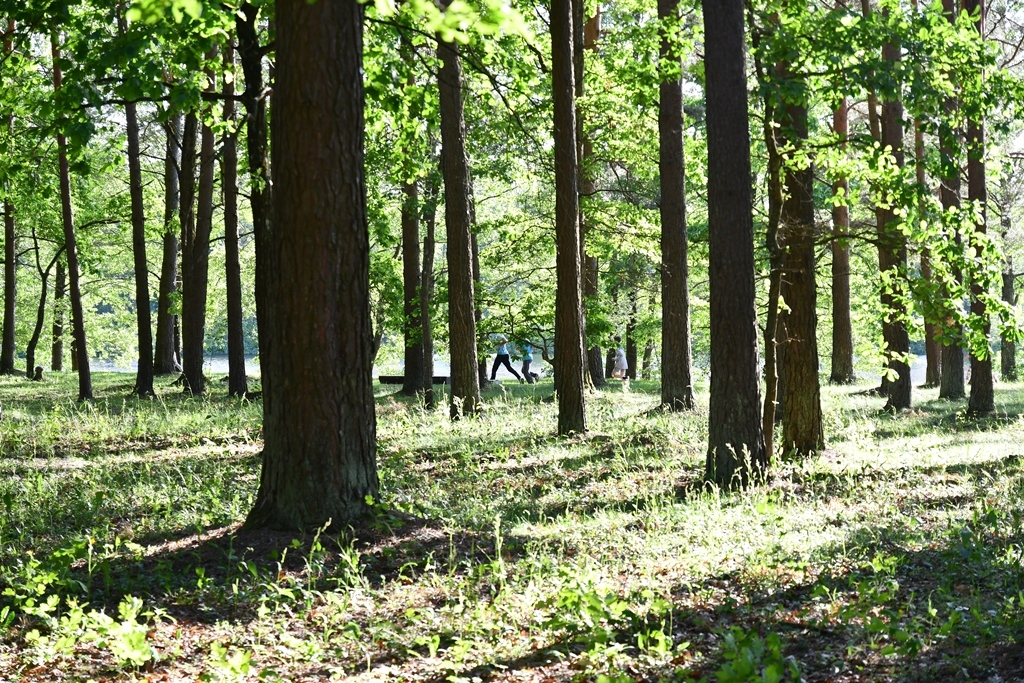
(526, 371)
(494, 367)
(508, 364)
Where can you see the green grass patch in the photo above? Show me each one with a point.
(503, 552)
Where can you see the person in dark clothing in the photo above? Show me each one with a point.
(502, 358)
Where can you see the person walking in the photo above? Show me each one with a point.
(527, 350)
(502, 358)
(621, 364)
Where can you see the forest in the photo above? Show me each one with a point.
(494, 340)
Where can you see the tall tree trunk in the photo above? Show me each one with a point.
(676, 353)
(1008, 348)
(412, 324)
(842, 325)
(10, 287)
(164, 361)
(591, 273)
(319, 457)
(80, 349)
(736, 450)
(427, 292)
(631, 345)
(932, 348)
(892, 257)
(57, 329)
(465, 371)
(569, 323)
(44, 282)
(237, 385)
(195, 240)
(982, 399)
(951, 366)
(144, 372)
(144, 375)
(801, 412)
(8, 346)
(254, 100)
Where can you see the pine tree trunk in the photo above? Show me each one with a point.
(237, 384)
(570, 384)
(319, 456)
(676, 353)
(81, 352)
(465, 370)
(842, 326)
(164, 361)
(736, 452)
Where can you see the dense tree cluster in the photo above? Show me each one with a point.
(599, 169)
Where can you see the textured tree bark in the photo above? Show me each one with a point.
(982, 398)
(79, 347)
(57, 329)
(8, 346)
(465, 371)
(570, 384)
(892, 257)
(254, 100)
(195, 260)
(144, 374)
(164, 360)
(951, 366)
(676, 352)
(237, 384)
(427, 292)
(10, 288)
(842, 326)
(587, 40)
(736, 453)
(412, 322)
(319, 456)
(801, 411)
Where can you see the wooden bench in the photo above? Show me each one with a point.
(400, 379)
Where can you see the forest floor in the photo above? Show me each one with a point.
(503, 553)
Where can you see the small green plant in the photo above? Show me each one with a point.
(752, 659)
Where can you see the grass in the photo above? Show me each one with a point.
(504, 553)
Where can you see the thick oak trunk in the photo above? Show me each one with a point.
(319, 456)
(736, 453)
